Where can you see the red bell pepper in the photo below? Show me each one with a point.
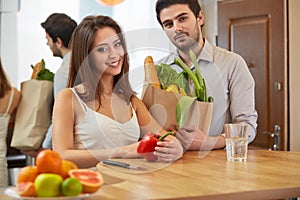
(148, 143)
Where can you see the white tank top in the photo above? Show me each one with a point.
(97, 131)
(4, 120)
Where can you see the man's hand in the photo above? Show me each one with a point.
(191, 139)
(194, 139)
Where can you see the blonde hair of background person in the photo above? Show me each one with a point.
(9, 101)
(85, 127)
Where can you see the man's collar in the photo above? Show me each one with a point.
(206, 54)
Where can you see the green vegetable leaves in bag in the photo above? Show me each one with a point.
(40, 72)
(182, 109)
(168, 76)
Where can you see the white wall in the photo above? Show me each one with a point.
(8, 38)
(210, 28)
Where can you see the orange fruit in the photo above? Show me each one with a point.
(66, 167)
(26, 189)
(91, 180)
(27, 174)
(48, 161)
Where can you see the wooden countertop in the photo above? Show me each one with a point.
(266, 175)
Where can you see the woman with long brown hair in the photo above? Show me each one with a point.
(9, 101)
(100, 116)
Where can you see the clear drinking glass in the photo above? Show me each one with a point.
(236, 136)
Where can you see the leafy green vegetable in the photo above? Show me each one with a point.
(199, 82)
(168, 76)
(191, 74)
(44, 74)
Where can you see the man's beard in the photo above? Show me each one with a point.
(186, 44)
(57, 53)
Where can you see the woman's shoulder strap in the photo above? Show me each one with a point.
(80, 101)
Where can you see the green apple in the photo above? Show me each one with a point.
(48, 185)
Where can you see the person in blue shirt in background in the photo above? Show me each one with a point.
(59, 28)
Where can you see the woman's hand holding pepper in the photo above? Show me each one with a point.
(168, 150)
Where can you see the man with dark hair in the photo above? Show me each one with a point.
(228, 79)
(59, 28)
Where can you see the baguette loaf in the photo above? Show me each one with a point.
(36, 69)
(150, 72)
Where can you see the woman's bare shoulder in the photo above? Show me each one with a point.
(64, 93)
(70, 92)
(66, 97)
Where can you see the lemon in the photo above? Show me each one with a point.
(71, 187)
(48, 185)
(173, 88)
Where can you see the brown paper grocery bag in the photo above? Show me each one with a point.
(33, 116)
(162, 106)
